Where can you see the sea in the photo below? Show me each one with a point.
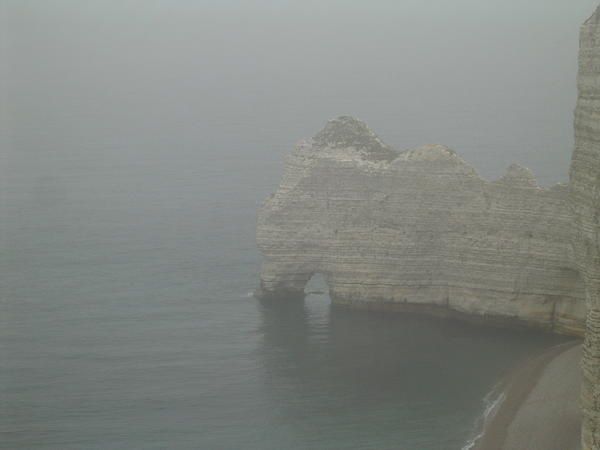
(138, 141)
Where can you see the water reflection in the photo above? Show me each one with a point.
(350, 379)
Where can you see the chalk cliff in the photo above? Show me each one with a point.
(419, 230)
(585, 203)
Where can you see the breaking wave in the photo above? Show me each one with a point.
(492, 402)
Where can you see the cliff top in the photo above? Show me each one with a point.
(517, 175)
(594, 18)
(348, 138)
(346, 131)
(430, 152)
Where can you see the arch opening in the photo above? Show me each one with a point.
(317, 285)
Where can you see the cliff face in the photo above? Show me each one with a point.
(419, 230)
(585, 203)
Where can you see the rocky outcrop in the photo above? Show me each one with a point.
(585, 202)
(419, 230)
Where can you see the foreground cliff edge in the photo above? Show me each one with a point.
(585, 204)
(420, 230)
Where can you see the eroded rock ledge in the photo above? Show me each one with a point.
(419, 230)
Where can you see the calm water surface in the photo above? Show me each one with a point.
(127, 322)
(139, 138)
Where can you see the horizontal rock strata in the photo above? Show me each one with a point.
(419, 230)
(585, 202)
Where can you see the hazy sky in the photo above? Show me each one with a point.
(137, 140)
(493, 79)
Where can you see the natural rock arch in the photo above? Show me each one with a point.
(421, 228)
(418, 229)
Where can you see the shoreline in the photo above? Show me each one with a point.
(565, 328)
(533, 377)
(446, 312)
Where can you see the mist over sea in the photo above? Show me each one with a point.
(138, 139)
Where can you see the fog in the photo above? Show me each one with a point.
(137, 141)
(493, 80)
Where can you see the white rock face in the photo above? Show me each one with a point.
(585, 202)
(419, 230)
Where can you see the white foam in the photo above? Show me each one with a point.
(492, 402)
